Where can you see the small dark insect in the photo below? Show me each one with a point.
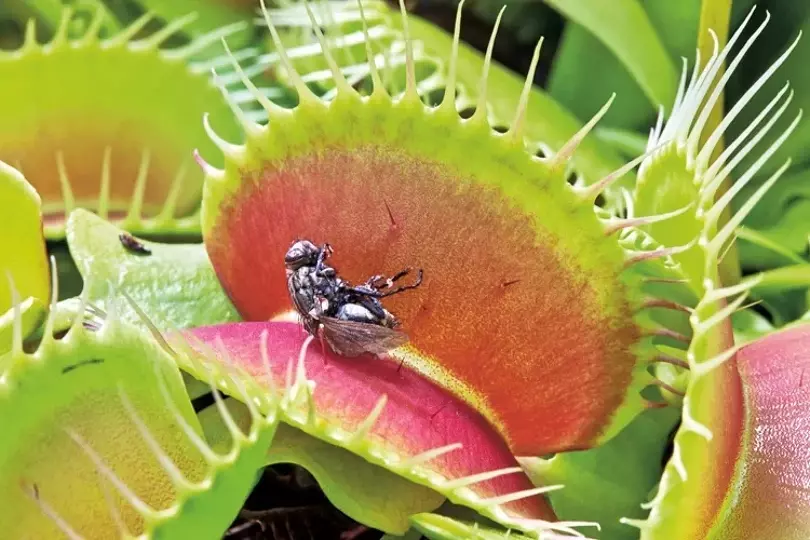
(350, 318)
(133, 245)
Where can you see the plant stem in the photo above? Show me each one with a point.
(716, 15)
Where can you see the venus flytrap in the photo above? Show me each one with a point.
(248, 185)
(684, 171)
(313, 137)
(115, 138)
(711, 452)
(107, 399)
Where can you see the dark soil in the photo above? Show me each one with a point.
(287, 504)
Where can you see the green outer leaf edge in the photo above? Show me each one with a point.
(623, 26)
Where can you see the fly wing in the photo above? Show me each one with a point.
(349, 338)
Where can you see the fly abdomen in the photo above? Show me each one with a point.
(356, 313)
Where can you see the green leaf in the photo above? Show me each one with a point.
(581, 59)
(749, 326)
(81, 384)
(370, 494)
(761, 250)
(175, 284)
(776, 232)
(626, 30)
(779, 280)
(607, 483)
(628, 143)
(782, 309)
(793, 188)
(676, 24)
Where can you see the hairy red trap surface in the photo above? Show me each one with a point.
(752, 479)
(770, 496)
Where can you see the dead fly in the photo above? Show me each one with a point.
(133, 245)
(351, 318)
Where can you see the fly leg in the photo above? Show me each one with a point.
(402, 288)
(374, 281)
(375, 292)
(325, 251)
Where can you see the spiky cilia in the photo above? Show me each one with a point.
(103, 441)
(117, 136)
(709, 476)
(331, 171)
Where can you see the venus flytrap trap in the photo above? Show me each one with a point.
(739, 466)
(115, 138)
(109, 401)
(684, 171)
(392, 418)
(707, 476)
(308, 164)
(64, 391)
(343, 26)
(777, 473)
(266, 364)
